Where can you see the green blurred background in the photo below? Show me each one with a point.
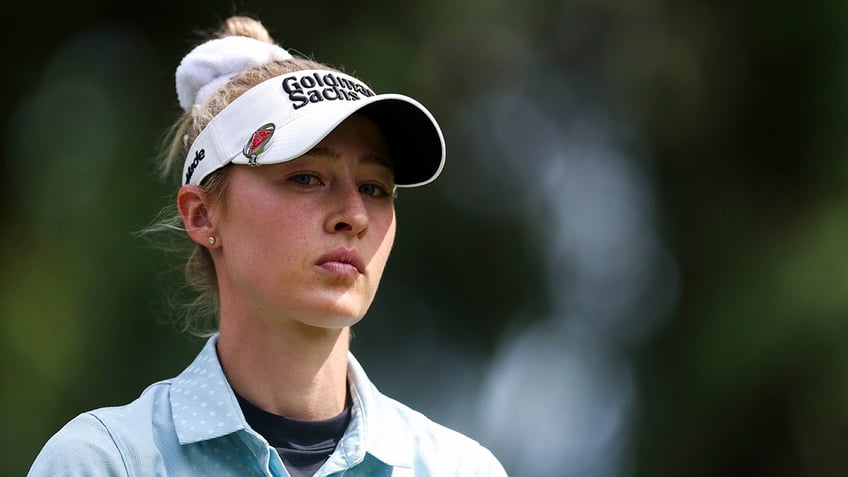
(632, 264)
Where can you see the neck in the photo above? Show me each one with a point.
(292, 370)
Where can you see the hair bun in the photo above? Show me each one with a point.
(210, 65)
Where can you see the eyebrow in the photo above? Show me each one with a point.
(366, 158)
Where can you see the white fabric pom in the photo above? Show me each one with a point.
(210, 65)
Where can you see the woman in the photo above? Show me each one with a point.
(288, 180)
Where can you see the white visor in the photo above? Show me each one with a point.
(285, 117)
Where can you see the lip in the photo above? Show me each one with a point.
(342, 261)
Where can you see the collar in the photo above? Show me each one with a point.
(203, 404)
(204, 407)
(376, 421)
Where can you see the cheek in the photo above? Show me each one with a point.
(254, 226)
(388, 238)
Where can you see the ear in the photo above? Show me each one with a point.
(196, 209)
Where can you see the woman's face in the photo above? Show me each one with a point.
(306, 241)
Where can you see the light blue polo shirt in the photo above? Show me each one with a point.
(192, 425)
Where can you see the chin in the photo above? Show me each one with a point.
(330, 308)
(335, 322)
(337, 315)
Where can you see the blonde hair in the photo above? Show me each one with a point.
(201, 314)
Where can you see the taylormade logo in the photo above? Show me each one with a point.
(198, 156)
(317, 87)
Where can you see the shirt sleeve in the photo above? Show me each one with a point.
(84, 447)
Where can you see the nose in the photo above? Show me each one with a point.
(348, 212)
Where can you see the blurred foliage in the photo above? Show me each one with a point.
(737, 111)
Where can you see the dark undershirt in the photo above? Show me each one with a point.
(303, 446)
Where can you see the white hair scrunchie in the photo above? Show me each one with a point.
(210, 65)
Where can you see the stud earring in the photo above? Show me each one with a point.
(211, 240)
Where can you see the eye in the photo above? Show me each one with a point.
(305, 179)
(373, 190)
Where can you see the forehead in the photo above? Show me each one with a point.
(335, 154)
